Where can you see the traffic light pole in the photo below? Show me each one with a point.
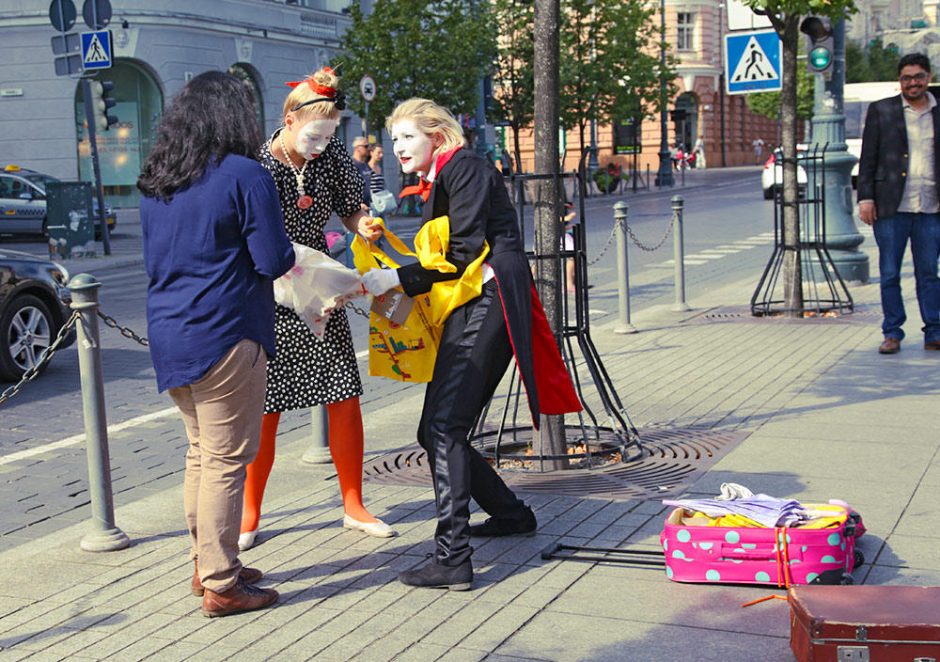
(842, 237)
(93, 143)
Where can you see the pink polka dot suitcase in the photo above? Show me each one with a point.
(770, 556)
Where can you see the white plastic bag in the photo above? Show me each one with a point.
(316, 286)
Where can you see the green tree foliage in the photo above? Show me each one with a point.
(877, 62)
(610, 65)
(513, 88)
(437, 49)
(768, 103)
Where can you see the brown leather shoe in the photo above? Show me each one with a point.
(890, 346)
(241, 597)
(247, 575)
(932, 345)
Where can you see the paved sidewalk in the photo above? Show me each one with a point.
(827, 416)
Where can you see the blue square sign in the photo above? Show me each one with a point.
(96, 49)
(753, 62)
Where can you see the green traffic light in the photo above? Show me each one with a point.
(820, 57)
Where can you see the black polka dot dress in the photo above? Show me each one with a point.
(307, 370)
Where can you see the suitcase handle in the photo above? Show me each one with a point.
(739, 552)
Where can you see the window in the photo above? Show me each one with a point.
(685, 26)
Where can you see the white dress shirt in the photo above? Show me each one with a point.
(920, 188)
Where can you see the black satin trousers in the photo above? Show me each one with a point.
(473, 356)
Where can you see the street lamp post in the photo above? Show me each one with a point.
(593, 163)
(664, 176)
(842, 238)
(592, 149)
(721, 79)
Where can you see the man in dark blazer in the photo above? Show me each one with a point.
(898, 194)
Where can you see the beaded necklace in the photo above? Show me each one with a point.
(303, 200)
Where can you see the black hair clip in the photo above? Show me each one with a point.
(339, 100)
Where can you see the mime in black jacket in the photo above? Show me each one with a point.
(478, 341)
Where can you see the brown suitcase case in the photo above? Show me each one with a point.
(865, 623)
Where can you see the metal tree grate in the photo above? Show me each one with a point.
(604, 426)
(671, 460)
(823, 289)
(862, 314)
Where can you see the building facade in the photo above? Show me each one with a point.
(874, 17)
(157, 48)
(727, 128)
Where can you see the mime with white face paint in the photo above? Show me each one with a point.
(478, 340)
(315, 178)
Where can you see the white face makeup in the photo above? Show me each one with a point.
(312, 138)
(413, 148)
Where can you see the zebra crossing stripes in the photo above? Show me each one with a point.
(724, 250)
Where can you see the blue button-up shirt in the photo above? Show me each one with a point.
(212, 254)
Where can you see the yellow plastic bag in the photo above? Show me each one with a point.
(407, 352)
(404, 352)
(431, 244)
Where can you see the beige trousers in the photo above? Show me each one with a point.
(222, 413)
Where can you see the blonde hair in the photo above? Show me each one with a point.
(429, 118)
(304, 92)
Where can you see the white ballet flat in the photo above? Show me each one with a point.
(376, 529)
(247, 540)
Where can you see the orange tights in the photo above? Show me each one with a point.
(346, 449)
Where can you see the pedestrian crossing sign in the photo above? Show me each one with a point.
(753, 62)
(96, 49)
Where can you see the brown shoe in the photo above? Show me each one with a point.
(247, 575)
(890, 346)
(239, 598)
(932, 345)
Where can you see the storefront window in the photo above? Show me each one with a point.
(123, 148)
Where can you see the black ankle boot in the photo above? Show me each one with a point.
(435, 575)
(500, 526)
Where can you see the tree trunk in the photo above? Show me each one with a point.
(547, 204)
(792, 269)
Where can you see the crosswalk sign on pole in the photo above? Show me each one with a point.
(96, 49)
(753, 62)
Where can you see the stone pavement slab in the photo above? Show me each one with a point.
(827, 417)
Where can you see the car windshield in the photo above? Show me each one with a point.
(38, 179)
(855, 118)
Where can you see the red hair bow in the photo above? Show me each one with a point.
(322, 90)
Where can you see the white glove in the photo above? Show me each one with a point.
(380, 281)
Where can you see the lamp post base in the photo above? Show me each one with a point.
(664, 175)
(108, 540)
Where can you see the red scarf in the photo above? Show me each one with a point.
(423, 187)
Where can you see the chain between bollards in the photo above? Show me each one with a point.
(679, 253)
(105, 536)
(624, 325)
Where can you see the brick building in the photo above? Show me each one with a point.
(694, 30)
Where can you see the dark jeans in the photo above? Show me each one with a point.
(892, 235)
(473, 356)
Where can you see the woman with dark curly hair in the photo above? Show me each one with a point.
(214, 241)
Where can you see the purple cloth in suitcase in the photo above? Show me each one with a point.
(766, 510)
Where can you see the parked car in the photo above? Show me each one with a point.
(771, 179)
(34, 303)
(23, 203)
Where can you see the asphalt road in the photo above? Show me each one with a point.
(728, 236)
